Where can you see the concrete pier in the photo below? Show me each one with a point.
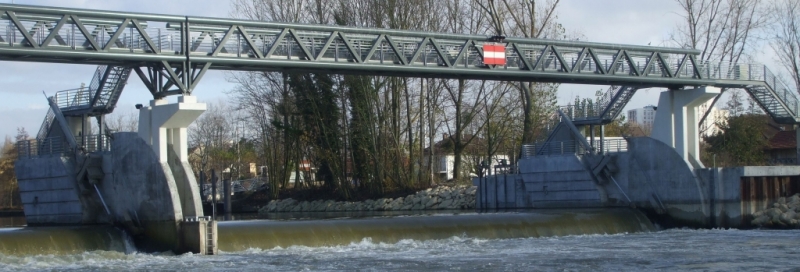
(677, 119)
(163, 127)
(650, 176)
(140, 182)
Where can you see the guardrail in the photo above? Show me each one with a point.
(237, 186)
(42, 147)
(96, 143)
(72, 98)
(58, 146)
(571, 147)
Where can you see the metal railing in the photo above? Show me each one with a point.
(74, 98)
(583, 112)
(571, 147)
(42, 147)
(614, 145)
(58, 146)
(96, 143)
(753, 72)
(237, 186)
(46, 124)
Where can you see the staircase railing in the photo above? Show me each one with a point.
(73, 98)
(602, 110)
(46, 124)
(753, 72)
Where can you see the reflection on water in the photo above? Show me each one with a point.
(62, 240)
(12, 221)
(334, 215)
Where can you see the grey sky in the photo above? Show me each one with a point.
(21, 84)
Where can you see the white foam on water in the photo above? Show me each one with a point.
(677, 249)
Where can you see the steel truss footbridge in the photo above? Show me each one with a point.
(170, 54)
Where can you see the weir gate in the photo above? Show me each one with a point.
(71, 175)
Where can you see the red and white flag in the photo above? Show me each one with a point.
(494, 54)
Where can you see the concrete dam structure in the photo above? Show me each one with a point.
(660, 175)
(78, 172)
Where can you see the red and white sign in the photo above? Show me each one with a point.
(494, 54)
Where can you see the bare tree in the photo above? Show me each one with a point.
(212, 138)
(724, 30)
(123, 121)
(527, 19)
(786, 37)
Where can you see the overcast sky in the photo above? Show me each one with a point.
(22, 103)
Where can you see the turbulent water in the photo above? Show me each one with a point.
(710, 250)
(677, 249)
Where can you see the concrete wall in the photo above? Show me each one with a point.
(185, 182)
(558, 181)
(654, 176)
(48, 191)
(142, 192)
(741, 191)
(651, 176)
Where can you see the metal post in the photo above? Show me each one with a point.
(227, 191)
(214, 193)
(159, 40)
(797, 154)
(505, 190)
(202, 179)
(602, 139)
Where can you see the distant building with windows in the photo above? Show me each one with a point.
(715, 118)
(644, 117)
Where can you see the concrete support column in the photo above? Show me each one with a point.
(163, 126)
(676, 122)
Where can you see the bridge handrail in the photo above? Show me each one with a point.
(752, 72)
(84, 36)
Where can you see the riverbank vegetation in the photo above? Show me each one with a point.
(9, 189)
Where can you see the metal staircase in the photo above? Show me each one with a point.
(777, 109)
(602, 111)
(45, 128)
(100, 97)
(774, 97)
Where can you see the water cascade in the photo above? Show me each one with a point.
(266, 234)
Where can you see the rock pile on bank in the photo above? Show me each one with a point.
(785, 213)
(439, 198)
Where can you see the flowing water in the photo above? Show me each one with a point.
(546, 241)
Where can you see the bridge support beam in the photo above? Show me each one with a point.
(164, 127)
(677, 118)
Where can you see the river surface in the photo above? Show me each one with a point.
(707, 250)
(672, 250)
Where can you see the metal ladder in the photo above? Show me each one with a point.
(211, 243)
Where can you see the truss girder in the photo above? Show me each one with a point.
(176, 51)
(184, 46)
